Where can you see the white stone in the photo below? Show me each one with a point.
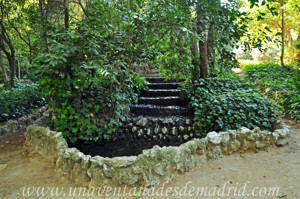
(164, 130)
(214, 138)
(142, 122)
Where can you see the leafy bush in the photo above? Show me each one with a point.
(89, 88)
(272, 76)
(291, 102)
(221, 104)
(19, 100)
(278, 78)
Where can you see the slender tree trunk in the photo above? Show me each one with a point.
(196, 63)
(210, 51)
(201, 28)
(12, 64)
(19, 66)
(66, 5)
(44, 16)
(282, 35)
(3, 68)
(297, 58)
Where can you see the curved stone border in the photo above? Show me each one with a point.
(11, 126)
(154, 166)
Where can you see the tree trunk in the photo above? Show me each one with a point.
(44, 33)
(12, 64)
(202, 43)
(5, 77)
(19, 66)
(195, 53)
(282, 35)
(66, 5)
(210, 51)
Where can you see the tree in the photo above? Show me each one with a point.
(269, 28)
(6, 42)
(3, 68)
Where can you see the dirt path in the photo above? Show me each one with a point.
(246, 173)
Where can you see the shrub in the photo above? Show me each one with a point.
(291, 102)
(272, 76)
(278, 78)
(89, 88)
(19, 100)
(221, 104)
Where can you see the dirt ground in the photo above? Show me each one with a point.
(266, 174)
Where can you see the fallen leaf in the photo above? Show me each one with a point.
(282, 196)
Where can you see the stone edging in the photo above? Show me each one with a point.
(154, 166)
(11, 126)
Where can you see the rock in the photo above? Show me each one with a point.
(214, 138)
(96, 162)
(225, 137)
(85, 163)
(140, 132)
(142, 122)
(260, 145)
(164, 130)
(2, 166)
(181, 128)
(148, 131)
(156, 130)
(215, 152)
(283, 133)
(159, 169)
(168, 121)
(134, 129)
(245, 146)
(281, 142)
(125, 161)
(233, 146)
(77, 156)
(154, 120)
(242, 133)
(186, 137)
(174, 131)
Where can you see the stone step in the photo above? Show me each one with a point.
(158, 111)
(160, 93)
(173, 85)
(162, 101)
(160, 80)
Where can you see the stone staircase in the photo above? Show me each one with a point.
(160, 115)
(160, 100)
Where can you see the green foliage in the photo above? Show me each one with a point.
(291, 102)
(245, 55)
(19, 100)
(229, 103)
(278, 78)
(271, 75)
(84, 75)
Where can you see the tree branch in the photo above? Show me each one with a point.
(80, 4)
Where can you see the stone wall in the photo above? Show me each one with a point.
(145, 69)
(11, 126)
(158, 130)
(154, 166)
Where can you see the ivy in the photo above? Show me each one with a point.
(221, 104)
